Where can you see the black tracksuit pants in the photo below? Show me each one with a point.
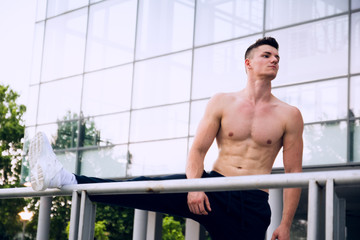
(235, 215)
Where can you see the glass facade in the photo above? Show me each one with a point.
(119, 86)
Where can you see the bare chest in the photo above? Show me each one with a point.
(263, 125)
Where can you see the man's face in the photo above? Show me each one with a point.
(263, 62)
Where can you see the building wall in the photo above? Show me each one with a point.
(119, 86)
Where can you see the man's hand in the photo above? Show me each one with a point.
(197, 201)
(281, 233)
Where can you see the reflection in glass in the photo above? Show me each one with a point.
(164, 26)
(155, 158)
(355, 42)
(107, 91)
(111, 34)
(325, 143)
(162, 80)
(355, 140)
(109, 162)
(68, 160)
(159, 123)
(280, 13)
(313, 51)
(227, 19)
(220, 68)
(64, 45)
(55, 7)
(355, 96)
(28, 135)
(197, 112)
(318, 101)
(63, 134)
(37, 52)
(58, 98)
(106, 130)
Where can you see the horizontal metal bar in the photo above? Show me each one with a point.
(344, 177)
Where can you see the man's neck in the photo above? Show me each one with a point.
(258, 90)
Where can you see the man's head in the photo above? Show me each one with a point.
(262, 41)
(262, 58)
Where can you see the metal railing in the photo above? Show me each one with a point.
(321, 187)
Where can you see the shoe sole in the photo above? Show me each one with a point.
(36, 171)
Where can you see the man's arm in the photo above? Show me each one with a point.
(292, 157)
(205, 135)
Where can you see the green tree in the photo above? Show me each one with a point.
(172, 229)
(11, 134)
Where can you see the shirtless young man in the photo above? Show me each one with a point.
(250, 127)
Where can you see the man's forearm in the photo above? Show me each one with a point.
(195, 165)
(291, 200)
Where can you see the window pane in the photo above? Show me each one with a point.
(32, 104)
(68, 160)
(155, 158)
(107, 91)
(221, 20)
(355, 96)
(111, 34)
(105, 162)
(355, 141)
(64, 45)
(325, 143)
(197, 112)
(63, 134)
(220, 68)
(55, 7)
(355, 43)
(162, 80)
(164, 26)
(355, 4)
(37, 52)
(41, 9)
(59, 99)
(280, 13)
(319, 101)
(313, 51)
(106, 130)
(28, 135)
(160, 123)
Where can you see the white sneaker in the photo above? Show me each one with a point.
(44, 166)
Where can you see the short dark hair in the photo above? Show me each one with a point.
(262, 41)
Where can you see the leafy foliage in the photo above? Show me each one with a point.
(11, 133)
(119, 220)
(172, 229)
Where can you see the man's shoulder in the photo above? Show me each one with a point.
(226, 96)
(285, 106)
(290, 112)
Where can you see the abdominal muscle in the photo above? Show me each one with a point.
(245, 159)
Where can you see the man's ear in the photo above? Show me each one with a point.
(247, 64)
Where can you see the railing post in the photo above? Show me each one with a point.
(154, 226)
(276, 205)
(334, 214)
(193, 230)
(329, 211)
(43, 229)
(315, 212)
(74, 217)
(86, 218)
(140, 224)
